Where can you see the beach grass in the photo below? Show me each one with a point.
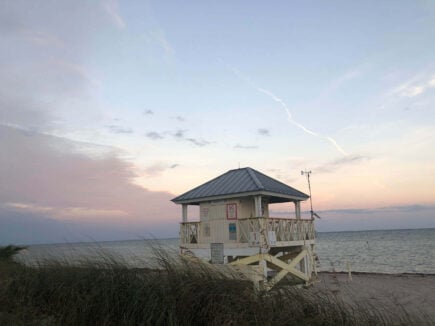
(179, 292)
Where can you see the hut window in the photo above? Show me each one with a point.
(232, 231)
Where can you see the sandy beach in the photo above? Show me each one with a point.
(414, 293)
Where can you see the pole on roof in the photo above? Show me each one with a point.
(307, 173)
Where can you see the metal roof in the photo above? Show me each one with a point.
(246, 181)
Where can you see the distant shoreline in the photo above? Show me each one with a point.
(378, 273)
(175, 238)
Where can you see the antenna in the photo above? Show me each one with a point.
(308, 173)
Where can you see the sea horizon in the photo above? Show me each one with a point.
(393, 251)
(173, 238)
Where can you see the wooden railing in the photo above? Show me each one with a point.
(249, 230)
(283, 229)
(189, 232)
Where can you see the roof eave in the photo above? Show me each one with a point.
(238, 195)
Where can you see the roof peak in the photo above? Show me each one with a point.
(254, 178)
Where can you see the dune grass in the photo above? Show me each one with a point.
(180, 292)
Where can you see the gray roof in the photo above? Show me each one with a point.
(245, 181)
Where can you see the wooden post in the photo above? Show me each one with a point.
(349, 272)
(257, 201)
(303, 265)
(184, 212)
(298, 209)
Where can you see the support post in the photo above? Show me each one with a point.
(184, 212)
(258, 210)
(263, 268)
(303, 265)
(298, 209)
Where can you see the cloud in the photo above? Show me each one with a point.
(287, 110)
(238, 146)
(17, 227)
(263, 132)
(382, 218)
(49, 82)
(148, 112)
(154, 135)
(415, 86)
(54, 180)
(341, 80)
(111, 8)
(119, 129)
(180, 133)
(198, 142)
(158, 168)
(388, 209)
(180, 118)
(413, 91)
(159, 37)
(44, 175)
(338, 163)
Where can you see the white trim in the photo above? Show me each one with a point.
(242, 194)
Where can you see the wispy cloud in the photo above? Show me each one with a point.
(180, 133)
(198, 142)
(77, 70)
(363, 211)
(239, 146)
(112, 10)
(120, 130)
(148, 112)
(341, 80)
(154, 135)
(338, 163)
(159, 37)
(415, 86)
(158, 168)
(263, 132)
(40, 38)
(286, 109)
(180, 118)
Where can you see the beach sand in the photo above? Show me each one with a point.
(413, 293)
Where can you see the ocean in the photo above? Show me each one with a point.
(380, 251)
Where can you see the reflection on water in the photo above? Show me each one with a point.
(387, 251)
(131, 253)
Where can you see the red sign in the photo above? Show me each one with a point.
(231, 211)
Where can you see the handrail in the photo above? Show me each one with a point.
(273, 229)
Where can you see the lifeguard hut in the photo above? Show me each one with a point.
(235, 226)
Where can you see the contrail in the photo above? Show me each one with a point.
(287, 110)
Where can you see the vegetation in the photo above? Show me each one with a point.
(181, 292)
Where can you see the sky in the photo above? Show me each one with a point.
(109, 109)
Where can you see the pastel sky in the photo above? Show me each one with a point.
(110, 109)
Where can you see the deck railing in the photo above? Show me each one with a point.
(282, 229)
(189, 232)
(249, 230)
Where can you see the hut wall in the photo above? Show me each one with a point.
(219, 221)
(247, 207)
